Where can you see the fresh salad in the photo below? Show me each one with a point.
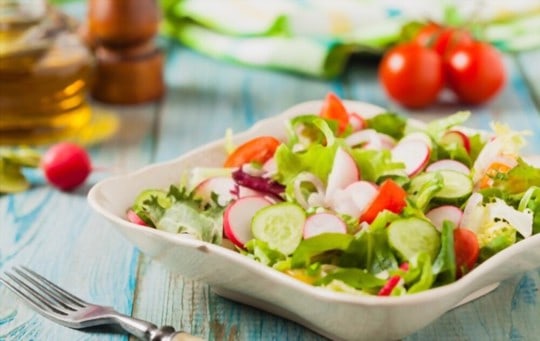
(376, 205)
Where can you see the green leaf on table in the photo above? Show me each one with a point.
(12, 179)
(12, 161)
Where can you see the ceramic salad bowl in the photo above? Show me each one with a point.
(336, 315)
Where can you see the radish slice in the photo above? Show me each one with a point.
(225, 189)
(447, 212)
(323, 223)
(362, 137)
(344, 172)
(387, 141)
(456, 136)
(354, 199)
(414, 153)
(134, 218)
(418, 135)
(237, 218)
(356, 121)
(448, 164)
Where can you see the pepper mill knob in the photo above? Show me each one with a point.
(129, 65)
(119, 23)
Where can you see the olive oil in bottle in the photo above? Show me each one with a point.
(45, 72)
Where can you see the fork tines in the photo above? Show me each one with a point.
(40, 293)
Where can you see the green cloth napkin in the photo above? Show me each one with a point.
(295, 36)
(317, 37)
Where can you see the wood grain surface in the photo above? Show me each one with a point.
(57, 234)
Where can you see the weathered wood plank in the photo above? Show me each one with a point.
(57, 234)
(529, 63)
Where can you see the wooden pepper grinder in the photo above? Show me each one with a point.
(129, 65)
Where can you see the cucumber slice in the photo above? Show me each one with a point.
(410, 236)
(457, 186)
(139, 205)
(280, 226)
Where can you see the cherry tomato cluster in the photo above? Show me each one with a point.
(415, 72)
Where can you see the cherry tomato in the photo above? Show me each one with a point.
(259, 149)
(412, 75)
(66, 165)
(443, 39)
(466, 249)
(334, 109)
(475, 72)
(390, 197)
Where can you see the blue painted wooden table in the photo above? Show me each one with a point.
(57, 234)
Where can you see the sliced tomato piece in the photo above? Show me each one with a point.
(466, 249)
(391, 197)
(259, 149)
(334, 109)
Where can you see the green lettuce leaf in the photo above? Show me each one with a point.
(444, 266)
(388, 123)
(356, 278)
(317, 159)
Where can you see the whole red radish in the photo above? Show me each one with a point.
(66, 165)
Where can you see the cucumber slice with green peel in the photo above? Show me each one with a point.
(410, 236)
(139, 203)
(280, 226)
(456, 186)
(148, 194)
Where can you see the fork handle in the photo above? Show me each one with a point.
(147, 331)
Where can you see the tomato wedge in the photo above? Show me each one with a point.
(466, 249)
(259, 149)
(334, 109)
(391, 197)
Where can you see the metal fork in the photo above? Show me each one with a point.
(64, 308)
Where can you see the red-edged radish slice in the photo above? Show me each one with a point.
(387, 141)
(323, 223)
(344, 172)
(363, 137)
(225, 189)
(356, 121)
(448, 164)
(134, 218)
(414, 153)
(237, 218)
(418, 135)
(456, 136)
(447, 212)
(354, 199)
(382, 141)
